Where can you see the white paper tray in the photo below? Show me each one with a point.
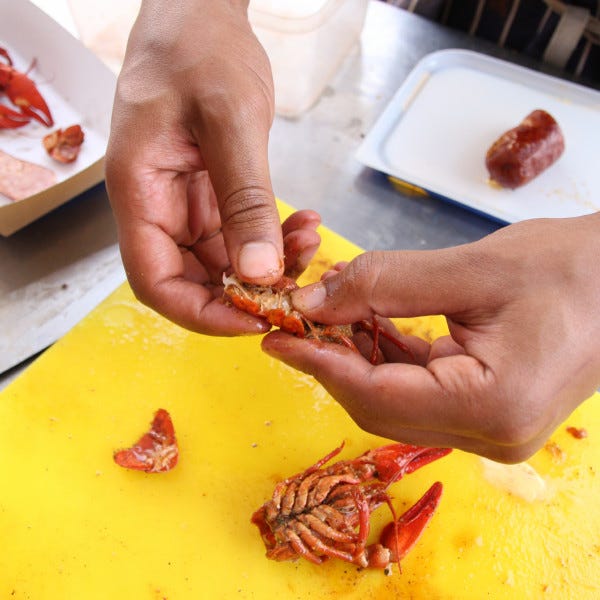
(436, 130)
(78, 88)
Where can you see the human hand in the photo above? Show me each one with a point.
(524, 345)
(187, 167)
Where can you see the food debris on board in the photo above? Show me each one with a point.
(520, 479)
(578, 433)
(324, 512)
(156, 451)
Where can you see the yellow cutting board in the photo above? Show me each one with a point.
(73, 525)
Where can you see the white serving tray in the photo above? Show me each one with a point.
(78, 88)
(436, 131)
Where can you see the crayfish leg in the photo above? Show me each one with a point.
(378, 331)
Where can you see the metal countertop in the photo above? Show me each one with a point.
(60, 267)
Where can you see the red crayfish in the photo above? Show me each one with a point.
(63, 145)
(156, 451)
(23, 93)
(324, 512)
(274, 304)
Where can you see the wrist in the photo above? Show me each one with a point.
(163, 26)
(159, 10)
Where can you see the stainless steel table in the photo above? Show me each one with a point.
(56, 270)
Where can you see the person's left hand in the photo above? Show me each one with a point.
(522, 351)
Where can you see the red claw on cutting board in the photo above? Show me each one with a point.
(156, 451)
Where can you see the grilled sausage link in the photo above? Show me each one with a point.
(523, 152)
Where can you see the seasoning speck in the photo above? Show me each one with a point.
(577, 432)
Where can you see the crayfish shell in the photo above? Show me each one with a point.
(274, 303)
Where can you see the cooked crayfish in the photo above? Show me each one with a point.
(274, 304)
(63, 145)
(324, 512)
(156, 451)
(23, 93)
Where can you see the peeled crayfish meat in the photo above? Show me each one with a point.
(156, 451)
(274, 304)
(324, 512)
(23, 93)
(63, 145)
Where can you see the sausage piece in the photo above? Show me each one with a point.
(523, 152)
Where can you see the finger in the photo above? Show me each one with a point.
(156, 271)
(300, 241)
(301, 219)
(444, 404)
(401, 284)
(234, 145)
(300, 247)
(334, 270)
(396, 347)
(406, 394)
(205, 228)
(210, 253)
(444, 346)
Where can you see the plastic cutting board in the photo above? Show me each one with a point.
(74, 525)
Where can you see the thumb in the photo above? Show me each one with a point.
(235, 151)
(396, 284)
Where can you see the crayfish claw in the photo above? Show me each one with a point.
(23, 93)
(11, 119)
(401, 535)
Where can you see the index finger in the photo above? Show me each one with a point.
(446, 404)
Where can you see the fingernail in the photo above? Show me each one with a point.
(310, 297)
(258, 259)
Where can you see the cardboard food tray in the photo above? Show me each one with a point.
(436, 130)
(78, 88)
(75, 525)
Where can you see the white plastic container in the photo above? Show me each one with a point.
(306, 41)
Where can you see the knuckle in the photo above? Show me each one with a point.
(249, 208)
(364, 273)
(249, 108)
(514, 430)
(141, 292)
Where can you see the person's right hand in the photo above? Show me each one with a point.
(522, 306)
(187, 162)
